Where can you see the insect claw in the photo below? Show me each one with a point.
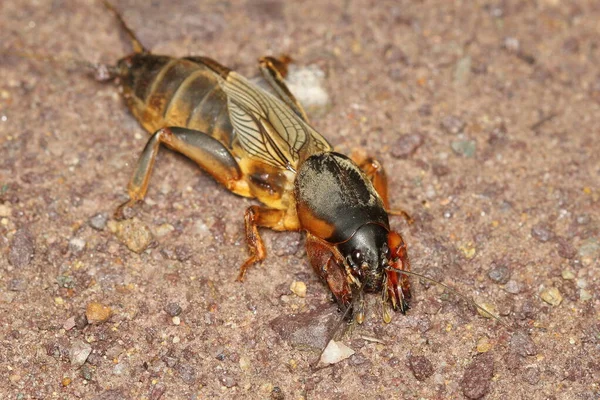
(359, 308)
(125, 210)
(394, 303)
(387, 315)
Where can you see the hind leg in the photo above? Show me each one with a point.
(274, 71)
(203, 149)
(375, 172)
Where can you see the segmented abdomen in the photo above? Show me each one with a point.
(164, 91)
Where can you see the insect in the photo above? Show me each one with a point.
(261, 145)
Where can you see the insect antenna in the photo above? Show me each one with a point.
(138, 47)
(101, 72)
(467, 299)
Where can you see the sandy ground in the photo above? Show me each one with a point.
(486, 115)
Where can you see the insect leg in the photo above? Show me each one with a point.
(398, 285)
(375, 172)
(273, 71)
(263, 217)
(328, 264)
(206, 151)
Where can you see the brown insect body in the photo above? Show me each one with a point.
(260, 145)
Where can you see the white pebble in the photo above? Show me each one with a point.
(335, 352)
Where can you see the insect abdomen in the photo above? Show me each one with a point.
(163, 91)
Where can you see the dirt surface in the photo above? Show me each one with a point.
(486, 115)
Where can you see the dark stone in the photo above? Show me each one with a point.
(477, 377)
(420, 366)
(499, 273)
(312, 329)
(173, 309)
(406, 145)
(21, 248)
(521, 343)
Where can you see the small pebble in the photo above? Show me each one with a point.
(17, 285)
(134, 234)
(245, 363)
(542, 233)
(477, 377)
(69, 324)
(551, 296)
(566, 249)
(176, 321)
(21, 249)
(512, 287)
(277, 394)
(532, 375)
(76, 245)
(65, 281)
(164, 229)
(452, 124)
(307, 84)
(590, 248)
(567, 274)
(335, 352)
(97, 313)
(187, 373)
(499, 273)
(512, 44)
(86, 372)
(582, 283)
(483, 345)
(406, 145)
(583, 219)
(98, 221)
(465, 148)
(5, 210)
(585, 295)
(173, 309)
(120, 368)
(440, 170)
(522, 344)
(81, 321)
(228, 381)
(298, 288)
(157, 392)
(79, 352)
(420, 366)
(66, 381)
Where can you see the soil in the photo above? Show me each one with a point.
(485, 114)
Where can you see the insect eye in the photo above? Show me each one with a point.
(357, 257)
